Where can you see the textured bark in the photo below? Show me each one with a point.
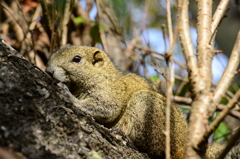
(37, 121)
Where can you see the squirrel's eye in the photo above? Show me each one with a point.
(76, 59)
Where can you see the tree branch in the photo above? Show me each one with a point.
(231, 143)
(186, 41)
(170, 78)
(229, 72)
(223, 114)
(218, 16)
(205, 51)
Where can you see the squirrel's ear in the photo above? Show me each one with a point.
(98, 58)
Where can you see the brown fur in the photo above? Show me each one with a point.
(116, 99)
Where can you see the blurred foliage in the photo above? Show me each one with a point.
(79, 20)
(220, 134)
(185, 111)
(55, 9)
(154, 78)
(224, 101)
(94, 33)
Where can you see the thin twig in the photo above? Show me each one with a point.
(170, 79)
(223, 114)
(89, 4)
(185, 100)
(231, 143)
(218, 16)
(131, 46)
(29, 38)
(188, 101)
(234, 113)
(64, 22)
(229, 72)
(186, 41)
(14, 22)
(169, 21)
(145, 16)
(160, 55)
(180, 87)
(164, 34)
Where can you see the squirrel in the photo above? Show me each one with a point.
(117, 99)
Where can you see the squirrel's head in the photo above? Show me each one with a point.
(75, 65)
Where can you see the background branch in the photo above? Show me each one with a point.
(218, 16)
(229, 72)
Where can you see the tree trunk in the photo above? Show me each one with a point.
(37, 121)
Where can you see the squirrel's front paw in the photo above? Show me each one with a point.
(68, 95)
(64, 90)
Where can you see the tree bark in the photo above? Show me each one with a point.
(37, 121)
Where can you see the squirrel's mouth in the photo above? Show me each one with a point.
(72, 87)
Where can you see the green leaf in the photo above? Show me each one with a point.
(184, 90)
(220, 133)
(224, 101)
(79, 20)
(95, 35)
(154, 78)
(184, 110)
(101, 27)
